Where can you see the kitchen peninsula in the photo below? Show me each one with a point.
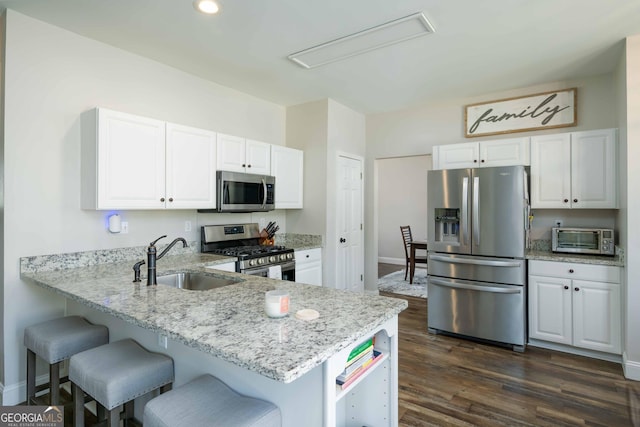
(290, 362)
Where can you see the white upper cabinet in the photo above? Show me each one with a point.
(133, 162)
(243, 155)
(287, 166)
(574, 170)
(190, 167)
(503, 152)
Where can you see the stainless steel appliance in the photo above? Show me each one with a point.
(477, 223)
(244, 192)
(242, 241)
(595, 241)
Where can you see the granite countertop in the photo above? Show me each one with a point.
(229, 322)
(547, 255)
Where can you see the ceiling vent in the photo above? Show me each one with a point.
(392, 32)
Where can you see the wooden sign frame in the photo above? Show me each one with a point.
(546, 110)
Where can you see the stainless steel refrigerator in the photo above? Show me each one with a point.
(477, 225)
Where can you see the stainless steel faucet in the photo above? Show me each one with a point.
(152, 258)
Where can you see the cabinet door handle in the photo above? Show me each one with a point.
(575, 200)
(162, 199)
(576, 289)
(571, 270)
(566, 287)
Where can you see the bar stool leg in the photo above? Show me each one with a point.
(31, 376)
(78, 405)
(54, 384)
(114, 417)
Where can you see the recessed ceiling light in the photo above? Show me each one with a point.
(206, 6)
(389, 33)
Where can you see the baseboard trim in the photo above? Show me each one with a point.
(575, 350)
(15, 394)
(389, 260)
(631, 368)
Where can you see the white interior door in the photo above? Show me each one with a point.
(349, 224)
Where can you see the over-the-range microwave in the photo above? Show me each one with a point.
(594, 241)
(243, 192)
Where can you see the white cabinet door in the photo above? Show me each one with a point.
(287, 165)
(596, 316)
(505, 152)
(550, 316)
(593, 169)
(130, 162)
(190, 171)
(456, 156)
(258, 157)
(551, 171)
(231, 154)
(309, 266)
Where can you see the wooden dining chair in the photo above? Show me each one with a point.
(407, 239)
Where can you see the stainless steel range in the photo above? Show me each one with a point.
(242, 241)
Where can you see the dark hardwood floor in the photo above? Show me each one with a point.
(448, 381)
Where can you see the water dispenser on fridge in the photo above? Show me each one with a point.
(447, 227)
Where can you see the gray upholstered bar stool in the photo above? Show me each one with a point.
(55, 341)
(207, 401)
(114, 375)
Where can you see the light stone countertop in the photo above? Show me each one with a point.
(542, 255)
(229, 322)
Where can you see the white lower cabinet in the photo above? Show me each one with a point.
(309, 266)
(575, 304)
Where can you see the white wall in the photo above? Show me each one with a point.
(402, 200)
(415, 131)
(630, 206)
(52, 76)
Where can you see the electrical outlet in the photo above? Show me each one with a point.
(558, 222)
(162, 341)
(124, 227)
(187, 226)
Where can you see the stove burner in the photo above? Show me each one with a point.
(247, 251)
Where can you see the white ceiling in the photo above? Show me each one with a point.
(478, 47)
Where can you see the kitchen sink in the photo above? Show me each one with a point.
(194, 281)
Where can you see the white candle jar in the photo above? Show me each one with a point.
(276, 303)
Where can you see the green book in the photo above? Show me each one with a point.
(360, 348)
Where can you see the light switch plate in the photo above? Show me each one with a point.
(124, 227)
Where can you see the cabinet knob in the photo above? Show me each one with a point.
(482, 161)
(162, 199)
(575, 200)
(171, 199)
(566, 287)
(343, 240)
(571, 270)
(307, 256)
(248, 166)
(566, 200)
(576, 289)
(244, 165)
(475, 161)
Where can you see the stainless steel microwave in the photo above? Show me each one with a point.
(594, 241)
(245, 192)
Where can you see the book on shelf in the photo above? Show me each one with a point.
(367, 351)
(358, 373)
(360, 348)
(357, 364)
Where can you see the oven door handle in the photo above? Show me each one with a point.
(264, 192)
(493, 289)
(287, 266)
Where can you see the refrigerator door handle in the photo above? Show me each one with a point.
(488, 263)
(476, 211)
(465, 211)
(492, 289)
